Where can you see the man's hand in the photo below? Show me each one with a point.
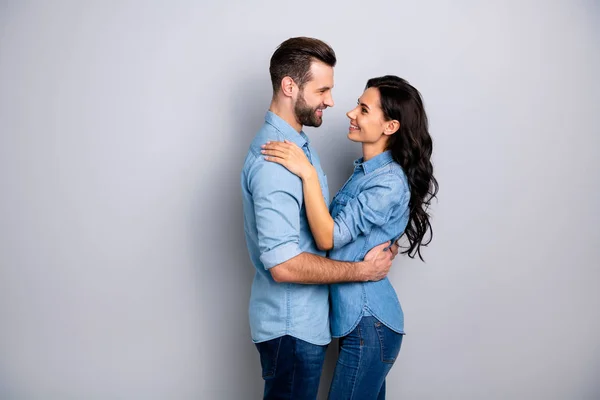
(394, 249)
(377, 262)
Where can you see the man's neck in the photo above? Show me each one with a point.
(285, 114)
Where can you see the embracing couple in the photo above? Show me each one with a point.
(321, 267)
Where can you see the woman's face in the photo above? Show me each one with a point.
(367, 123)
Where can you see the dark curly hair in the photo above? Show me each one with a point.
(411, 147)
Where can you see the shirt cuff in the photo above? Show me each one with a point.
(341, 234)
(280, 254)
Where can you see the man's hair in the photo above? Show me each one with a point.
(294, 57)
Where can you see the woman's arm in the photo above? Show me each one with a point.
(293, 158)
(319, 219)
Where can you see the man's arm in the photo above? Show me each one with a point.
(312, 269)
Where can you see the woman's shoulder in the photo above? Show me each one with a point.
(391, 174)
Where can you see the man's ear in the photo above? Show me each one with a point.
(287, 86)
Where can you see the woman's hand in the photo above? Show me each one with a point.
(290, 156)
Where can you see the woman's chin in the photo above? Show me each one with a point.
(353, 137)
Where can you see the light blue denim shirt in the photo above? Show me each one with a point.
(371, 208)
(277, 230)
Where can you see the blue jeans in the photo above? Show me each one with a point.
(291, 368)
(366, 356)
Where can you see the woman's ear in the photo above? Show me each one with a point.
(391, 127)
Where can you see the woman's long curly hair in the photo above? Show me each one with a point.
(411, 147)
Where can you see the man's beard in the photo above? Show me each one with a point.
(305, 114)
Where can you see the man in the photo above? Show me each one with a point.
(289, 305)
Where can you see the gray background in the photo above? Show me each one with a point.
(123, 127)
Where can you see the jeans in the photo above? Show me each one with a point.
(291, 368)
(366, 356)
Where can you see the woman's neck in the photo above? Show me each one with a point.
(371, 150)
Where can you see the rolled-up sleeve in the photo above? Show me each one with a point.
(372, 207)
(277, 198)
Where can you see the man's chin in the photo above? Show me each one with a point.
(315, 123)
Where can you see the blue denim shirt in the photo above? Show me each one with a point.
(371, 208)
(277, 230)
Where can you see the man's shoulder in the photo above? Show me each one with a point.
(254, 155)
(264, 174)
(265, 133)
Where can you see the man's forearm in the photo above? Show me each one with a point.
(312, 269)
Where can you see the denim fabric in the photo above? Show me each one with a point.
(291, 368)
(366, 356)
(371, 208)
(277, 230)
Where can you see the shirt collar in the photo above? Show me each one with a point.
(374, 163)
(286, 130)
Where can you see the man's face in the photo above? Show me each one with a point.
(315, 96)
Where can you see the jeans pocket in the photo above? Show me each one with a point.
(389, 341)
(269, 352)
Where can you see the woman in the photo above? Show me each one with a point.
(386, 197)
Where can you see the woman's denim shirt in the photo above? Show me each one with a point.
(371, 208)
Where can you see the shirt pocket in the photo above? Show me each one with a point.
(339, 202)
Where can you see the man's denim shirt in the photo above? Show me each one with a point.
(277, 230)
(371, 208)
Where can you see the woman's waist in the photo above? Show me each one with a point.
(363, 293)
(357, 250)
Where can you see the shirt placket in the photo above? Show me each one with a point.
(307, 152)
